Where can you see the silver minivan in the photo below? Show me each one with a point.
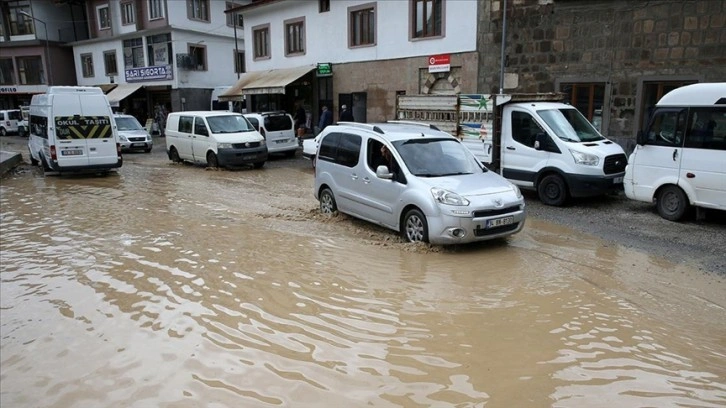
(414, 179)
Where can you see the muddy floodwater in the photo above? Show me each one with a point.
(174, 286)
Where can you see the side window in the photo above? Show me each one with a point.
(185, 124)
(375, 158)
(524, 128)
(349, 150)
(39, 126)
(667, 127)
(707, 129)
(200, 128)
(329, 147)
(255, 123)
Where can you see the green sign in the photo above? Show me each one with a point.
(325, 69)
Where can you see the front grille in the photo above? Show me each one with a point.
(246, 145)
(481, 232)
(137, 139)
(615, 164)
(498, 211)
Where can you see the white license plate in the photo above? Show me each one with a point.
(72, 152)
(138, 144)
(499, 222)
(281, 141)
(618, 180)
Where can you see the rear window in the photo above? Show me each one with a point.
(14, 115)
(275, 123)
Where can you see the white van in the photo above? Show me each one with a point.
(680, 158)
(72, 130)
(278, 129)
(9, 121)
(217, 139)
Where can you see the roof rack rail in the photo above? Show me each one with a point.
(364, 126)
(408, 122)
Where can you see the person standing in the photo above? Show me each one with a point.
(346, 115)
(326, 118)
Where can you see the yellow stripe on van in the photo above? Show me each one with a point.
(83, 127)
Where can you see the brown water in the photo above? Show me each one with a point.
(172, 286)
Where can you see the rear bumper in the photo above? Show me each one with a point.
(89, 168)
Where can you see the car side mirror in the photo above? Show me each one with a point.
(540, 141)
(383, 172)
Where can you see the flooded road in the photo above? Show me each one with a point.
(174, 286)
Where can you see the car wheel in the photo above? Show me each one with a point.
(258, 165)
(212, 160)
(32, 159)
(552, 190)
(147, 150)
(415, 228)
(291, 153)
(672, 203)
(174, 155)
(3, 132)
(44, 163)
(327, 202)
(312, 160)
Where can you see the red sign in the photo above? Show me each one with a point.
(441, 59)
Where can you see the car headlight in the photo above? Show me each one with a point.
(263, 142)
(448, 197)
(517, 192)
(122, 138)
(584, 158)
(224, 146)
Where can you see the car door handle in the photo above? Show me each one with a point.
(366, 180)
(675, 154)
(511, 148)
(354, 176)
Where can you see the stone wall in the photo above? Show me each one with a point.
(618, 42)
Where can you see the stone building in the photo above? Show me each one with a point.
(612, 58)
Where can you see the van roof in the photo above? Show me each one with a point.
(74, 89)
(395, 130)
(205, 113)
(703, 94)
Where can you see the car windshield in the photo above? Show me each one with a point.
(569, 125)
(128, 124)
(437, 157)
(229, 124)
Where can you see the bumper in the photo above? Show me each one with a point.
(83, 169)
(589, 186)
(136, 145)
(447, 229)
(239, 157)
(288, 146)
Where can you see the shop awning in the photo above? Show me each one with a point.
(272, 81)
(106, 88)
(121, 92)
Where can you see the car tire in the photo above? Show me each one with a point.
(174, 155)
(415, 228)
(44, 164)
(312, 160)
(33, 161)
(212, 160)
(147, 150)
(552, 190)
(290, 153)
(258, 165)
(672, 203)
(3, 132)
(327, 202)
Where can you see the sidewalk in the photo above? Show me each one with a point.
(8, 161)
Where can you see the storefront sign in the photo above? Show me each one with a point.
(440, 63)
(23, 89)
(157, 73)
(325, 69)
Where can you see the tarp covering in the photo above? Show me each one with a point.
(272, 81)
(121, 92)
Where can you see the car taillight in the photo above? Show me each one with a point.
(53, 155)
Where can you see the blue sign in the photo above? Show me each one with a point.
(157, 73)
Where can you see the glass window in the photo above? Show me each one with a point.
(104, 19)
(198, 10)
(199, 127)
(295, 36)
(7, 71)
(261, 37)
(323, 5)
(128, 14)
(707, 129)
(128, 123)
(20, 24)
(524, 128)
(109, 62)
(30, 70)
(652, 92)
(588, 98)
(569, 125)
(185, 124)
(159, 49)
(329, 147)
(233, 18)
(667, 128)
(239, 62)
(199, 57)
(39, 126)
(362, 29)
(134, 53)
(87, 65)
(349, 150)
(427, 18)
(277, 122)
(229, 124)
(156, 9)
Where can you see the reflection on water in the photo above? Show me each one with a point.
(150, 289)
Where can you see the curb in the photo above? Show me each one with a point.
(8, 161)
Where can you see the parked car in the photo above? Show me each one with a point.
(278, 129)
(310, 149)
(9, 121)
(414, 179)
(131, 135)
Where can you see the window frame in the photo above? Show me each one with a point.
(87, 65)
(202, 6)
(190, 50)
(300, 35)
(99, 18)
(106, 62)
(412, 33)
(323, 6)
(26, 22)
(231, 20)
(128, 13)
(23, 72)
(239, 60)
(353, 14)
(11, 73)
(155, 5)
(133, 49)
(256, 42)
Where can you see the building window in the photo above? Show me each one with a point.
(20, 24)
(198, 10)
(109, 63)
(239, 62)
(323, 5)
(159, 49)
(30, 70)
(588, 98)
(427, 17)
(295, 36)
(362, 30)
(261, 36)
(156, 9)
(128, 14)
(104, 19)
(87, 65)
(134, 53)
(234, 17)
(198, 53)
(7, 71)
